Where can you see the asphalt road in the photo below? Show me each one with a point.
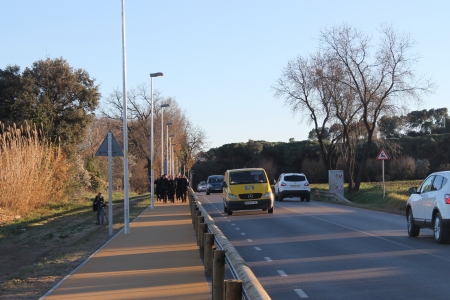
(319, 250)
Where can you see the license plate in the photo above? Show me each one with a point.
(295, 186)
(250, 202)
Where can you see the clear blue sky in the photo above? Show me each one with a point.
(219, 58)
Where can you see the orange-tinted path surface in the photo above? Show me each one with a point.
(158, 259)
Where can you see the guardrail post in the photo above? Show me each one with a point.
(218, 274)
(202, 227)
(209, 244)
(232, 289)
(198, 214)
(200, 220)
(195, 209)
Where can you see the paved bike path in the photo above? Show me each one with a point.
(158, 259)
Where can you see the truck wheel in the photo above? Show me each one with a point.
(270, 210)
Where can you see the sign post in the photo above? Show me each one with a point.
(383, 156)
(109, 148)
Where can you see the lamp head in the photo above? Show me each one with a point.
(165, 105)
(158, 74)
(169, 123)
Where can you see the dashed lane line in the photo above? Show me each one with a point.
(301, 293)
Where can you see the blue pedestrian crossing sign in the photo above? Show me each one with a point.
(103, 149)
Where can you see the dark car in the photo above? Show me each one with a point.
(214, 184)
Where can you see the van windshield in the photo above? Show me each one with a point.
(212, 179)
(245, 177)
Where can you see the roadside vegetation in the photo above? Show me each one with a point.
(36, 252)
(370, 195)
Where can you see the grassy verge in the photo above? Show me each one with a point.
(54, 241)
(370, 195)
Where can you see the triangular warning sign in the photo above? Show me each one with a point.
(103, 149)
(383, 155)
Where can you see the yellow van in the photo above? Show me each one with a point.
(245, 189)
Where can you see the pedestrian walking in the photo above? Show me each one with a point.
(99, 203)
(163, 187)
(171, 187)
(184, 183)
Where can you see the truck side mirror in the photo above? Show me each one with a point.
(224, 184)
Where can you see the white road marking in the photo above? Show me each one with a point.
(267, 258)
(250, 240)
(232, 224)
(258, 249)
(242, 233)
(301, 293)
(281, 272)
(237, 228)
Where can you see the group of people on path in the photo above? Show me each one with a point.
(168, 188)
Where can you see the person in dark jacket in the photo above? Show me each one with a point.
(184, 183)
(163, 182)
(178, 190)
(157, 189)
(171, 187)
(99, 202)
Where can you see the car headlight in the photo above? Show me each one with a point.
(268, 195)
(232, 196)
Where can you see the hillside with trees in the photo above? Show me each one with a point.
(52, 121)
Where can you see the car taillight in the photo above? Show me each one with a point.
(307, 184)
(447, 198)
(283, 184)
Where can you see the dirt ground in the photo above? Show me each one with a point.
(37, 258)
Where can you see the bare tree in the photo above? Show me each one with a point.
(194, 142)
(306, 94)
(378, 86)
(351, 85)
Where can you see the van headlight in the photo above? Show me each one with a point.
(232, 196)
(268, 195)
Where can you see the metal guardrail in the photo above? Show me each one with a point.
(330, 195)
(251, 287)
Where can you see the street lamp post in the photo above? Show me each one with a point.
(152, 178)
(163, 171)
(167, 147)
(173, 161)
(169, 154)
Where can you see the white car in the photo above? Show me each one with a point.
(292, 185)
(429, 207)
(201, 187)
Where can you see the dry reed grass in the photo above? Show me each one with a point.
(33, 171)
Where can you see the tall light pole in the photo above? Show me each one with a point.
(152, 177)
(126, 205)
(167, 148)
(169, 153)
(173, 161)
(163, 171)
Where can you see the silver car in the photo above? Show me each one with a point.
(429, 207)
(201, 187)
